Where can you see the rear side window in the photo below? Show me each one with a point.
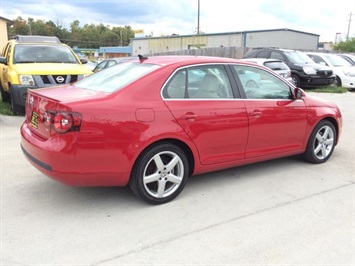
(276, 55)
(263, 54)
(200, 82)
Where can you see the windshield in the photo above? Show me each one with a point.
(336, 60)
(297, 57)
(113, 78)
(29, 53)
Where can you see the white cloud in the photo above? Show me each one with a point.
(323, 17)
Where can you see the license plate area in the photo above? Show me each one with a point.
(34, 119)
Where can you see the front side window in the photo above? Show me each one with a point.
(297, 57)
(260, 84)
(317, 59)
(199, 82)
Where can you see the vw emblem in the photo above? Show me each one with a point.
(326, 73)
(31, 101)
(60, 79)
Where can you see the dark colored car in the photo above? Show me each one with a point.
(110, 62)
(305, 72)
(152, 123)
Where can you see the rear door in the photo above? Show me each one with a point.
(202, 101)
(277, 122)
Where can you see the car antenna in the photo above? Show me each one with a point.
(142, 57)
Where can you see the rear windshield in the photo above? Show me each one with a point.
(114, 78)
(30, 53)
(276, 65)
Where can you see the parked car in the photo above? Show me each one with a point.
(29, 62)
(153, 122)
(349, 57)
(276, 65)
(110, 62)
(305, 72)
(344, 71)
(91, 65)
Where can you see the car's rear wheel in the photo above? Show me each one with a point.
(321, 143)
(160, 173)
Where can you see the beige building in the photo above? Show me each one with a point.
(282, 38)
(4, 22)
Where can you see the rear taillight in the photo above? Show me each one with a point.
(62, 121)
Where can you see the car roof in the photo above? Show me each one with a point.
(262, 60)
(186, 60)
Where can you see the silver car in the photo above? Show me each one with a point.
(276, 65)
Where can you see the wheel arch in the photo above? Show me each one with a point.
(182, 145)
(335, 124)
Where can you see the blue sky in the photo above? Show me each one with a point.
(165, 17)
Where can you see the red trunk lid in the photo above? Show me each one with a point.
(40, 101)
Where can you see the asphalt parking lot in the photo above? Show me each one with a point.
(279, 212)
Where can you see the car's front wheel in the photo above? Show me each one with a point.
(296, 80)
(321, 143)
(160, 173)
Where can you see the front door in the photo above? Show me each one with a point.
(277, 122)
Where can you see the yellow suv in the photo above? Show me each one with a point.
(30, 62)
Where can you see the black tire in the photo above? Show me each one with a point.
(16, 109)
(167, 167)
(5, 96)
(321, 143)
(296, 81)
(337, 82)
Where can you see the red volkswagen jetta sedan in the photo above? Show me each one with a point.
(153, 122)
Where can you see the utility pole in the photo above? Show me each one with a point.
(347, 35)
(198, 17)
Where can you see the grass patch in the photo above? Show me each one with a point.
(5, 108)
(330, 89)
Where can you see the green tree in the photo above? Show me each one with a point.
(346, 46)
(88, 36)
(19, 27)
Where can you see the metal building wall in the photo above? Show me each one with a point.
(282, 39)
(273, 38)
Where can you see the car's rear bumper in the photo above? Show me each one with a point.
(61, 160)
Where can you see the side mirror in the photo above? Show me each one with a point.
(3, 60)
(83, 60)
(299, 93)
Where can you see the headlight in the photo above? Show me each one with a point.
(26, 80)
(349, 74)
(309, 70)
